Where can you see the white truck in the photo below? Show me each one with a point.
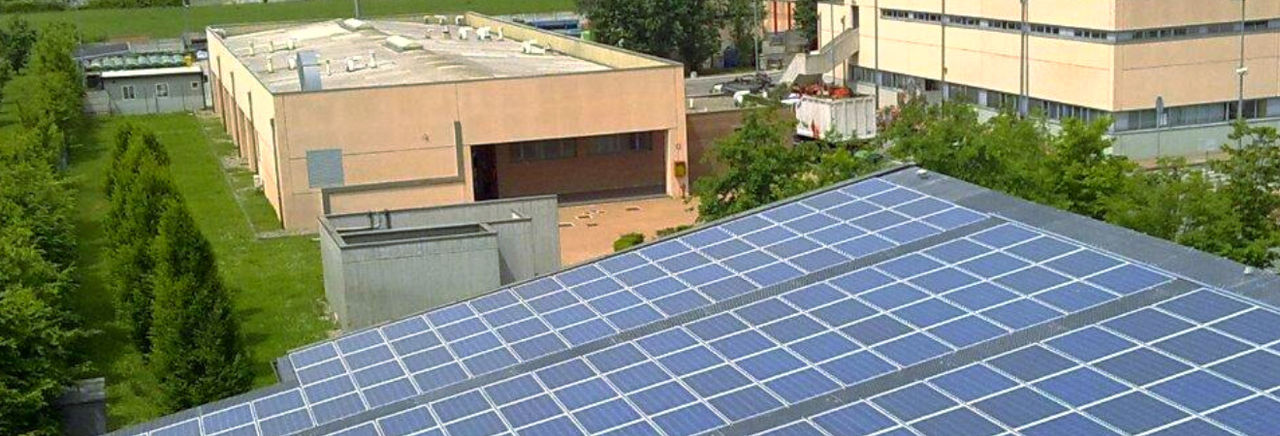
(851, 117)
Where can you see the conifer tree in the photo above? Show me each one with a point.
(197, 352)
(140, 205)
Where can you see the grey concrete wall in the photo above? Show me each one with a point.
(1190, 141)
(183, 97)
(387, 281)
(84, 408)
(334, 285)
(527, 250)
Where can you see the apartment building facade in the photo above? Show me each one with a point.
(1078, 58)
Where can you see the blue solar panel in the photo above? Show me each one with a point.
(800, 339)
(1094, 380)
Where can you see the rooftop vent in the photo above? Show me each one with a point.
(458, 20)
(288, 44)
(484, 33)
(464, 32)
(308, 70)
(400, 43)
(354, 24)
(531, 47)
(355, 63)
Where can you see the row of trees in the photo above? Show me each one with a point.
(1229, 207)
(37, 243)
(177, 309)
(684, 30)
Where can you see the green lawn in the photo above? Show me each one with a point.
(277, 282)
(100, 24)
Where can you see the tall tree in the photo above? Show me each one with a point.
(1181, 204)
(745, 26)
(1079, 173)
(16, 38)
(197, 350)
(759, 165)
(1252, 183)
(683, 30)
(33, 197)
(140, 146)
(41, 98)
(36, 334)
(132, 267)
(807, 20)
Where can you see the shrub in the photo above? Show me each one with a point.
(627, 241)
(662, 233)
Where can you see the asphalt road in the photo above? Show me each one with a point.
(702, 84)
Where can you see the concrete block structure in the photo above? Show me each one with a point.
(402, 114)
(383, 265)
(149, 91)
(1076, 58)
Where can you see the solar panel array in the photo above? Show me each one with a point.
(778, 343)
(1199, 365)
(445, 346)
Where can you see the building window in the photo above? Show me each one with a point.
(162, 90)
(127, 93)
(195, 85)
(544, 150)
(614, 144)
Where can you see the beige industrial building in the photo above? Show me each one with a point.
(1082, 58)
(349, 116)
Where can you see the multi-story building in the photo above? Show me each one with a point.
(1077, 58)
(350, 116)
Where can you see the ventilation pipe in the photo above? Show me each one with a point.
(308, 64)
(458, 20)
(271, 66)
(373, 60)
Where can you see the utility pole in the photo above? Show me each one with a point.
(946, 91)
(878, 75)
(1024, 67)
(1241, 70)
(357, 2)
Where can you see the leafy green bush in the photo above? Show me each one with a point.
(627, 241)
(131, 4)
(24, 6)
(662, 233)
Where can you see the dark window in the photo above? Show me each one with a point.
(544, 150)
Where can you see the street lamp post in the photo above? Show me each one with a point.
(1024, 66)
(1241, 70)
(879, 76)
(943, 21)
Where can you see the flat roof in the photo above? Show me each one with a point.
(146, 72)
(906, 302)
(443, 57)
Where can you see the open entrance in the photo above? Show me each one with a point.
(589, 168)
(484, 174)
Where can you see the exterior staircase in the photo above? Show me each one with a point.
(823, 60)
